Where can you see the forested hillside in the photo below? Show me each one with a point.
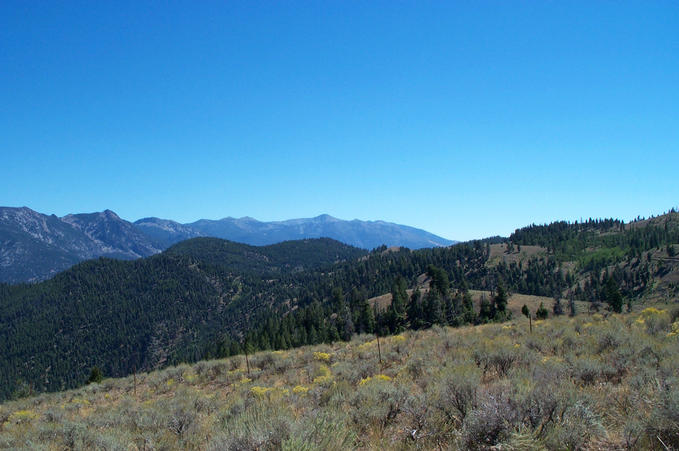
(639, 256)
(146, 313)
(208, 298)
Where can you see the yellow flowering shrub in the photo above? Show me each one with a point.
(322, 356)
(651, 311)
(654, 320)
(268, 392)
(323, 375)
(379, 377)
(367, 345)
(189, 376)
(675, 329)
(260, 392)
(242, 381)
(22, 415)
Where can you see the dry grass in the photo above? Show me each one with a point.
(517, 301)
(514, 304)
(588, 382)
(498, 253)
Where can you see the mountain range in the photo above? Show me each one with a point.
(35, 246)
(363, 234)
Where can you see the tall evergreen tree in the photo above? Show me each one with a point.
(433, 308)
(485, 310)
(468, 313)
(415, 313)
(571, 304)
(613, 295)
(500, 303)
(397, 308)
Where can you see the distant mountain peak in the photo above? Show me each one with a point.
(326, 217)
(363, 234)
(34, 246)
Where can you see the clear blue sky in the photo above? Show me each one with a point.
(467, 119)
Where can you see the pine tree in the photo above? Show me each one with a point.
(397, 308)
(468, 313)
(500, 304)
(96, 376)
(433, 309)
(367, 317)
(613, 296)
(485, 310)
(414, 311)
(557, 308)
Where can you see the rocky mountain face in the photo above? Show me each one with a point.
(34, 246)
(165, 231)
(114, 237)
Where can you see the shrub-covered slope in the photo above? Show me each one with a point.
(589, 382)
(208, 297)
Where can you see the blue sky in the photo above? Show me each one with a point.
(467, 119)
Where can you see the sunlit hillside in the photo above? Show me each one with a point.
(588, 382)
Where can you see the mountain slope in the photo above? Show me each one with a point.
(587, 382)
(166, 232)
(116, 237)
(34, 246)
(276, 258)
(363, 234)
(149, 312)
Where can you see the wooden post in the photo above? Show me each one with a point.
(134, 376)
(530, 323)
(379, 349)
(247, 363)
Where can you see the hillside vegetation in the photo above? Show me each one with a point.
(207, 298)
(143, 314)
(586, 382)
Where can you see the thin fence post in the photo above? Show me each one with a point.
(379, 349)
(247, 362)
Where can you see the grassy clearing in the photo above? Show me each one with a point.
(499, 252)
(590, 382)
(517, 301)
(514, 303)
